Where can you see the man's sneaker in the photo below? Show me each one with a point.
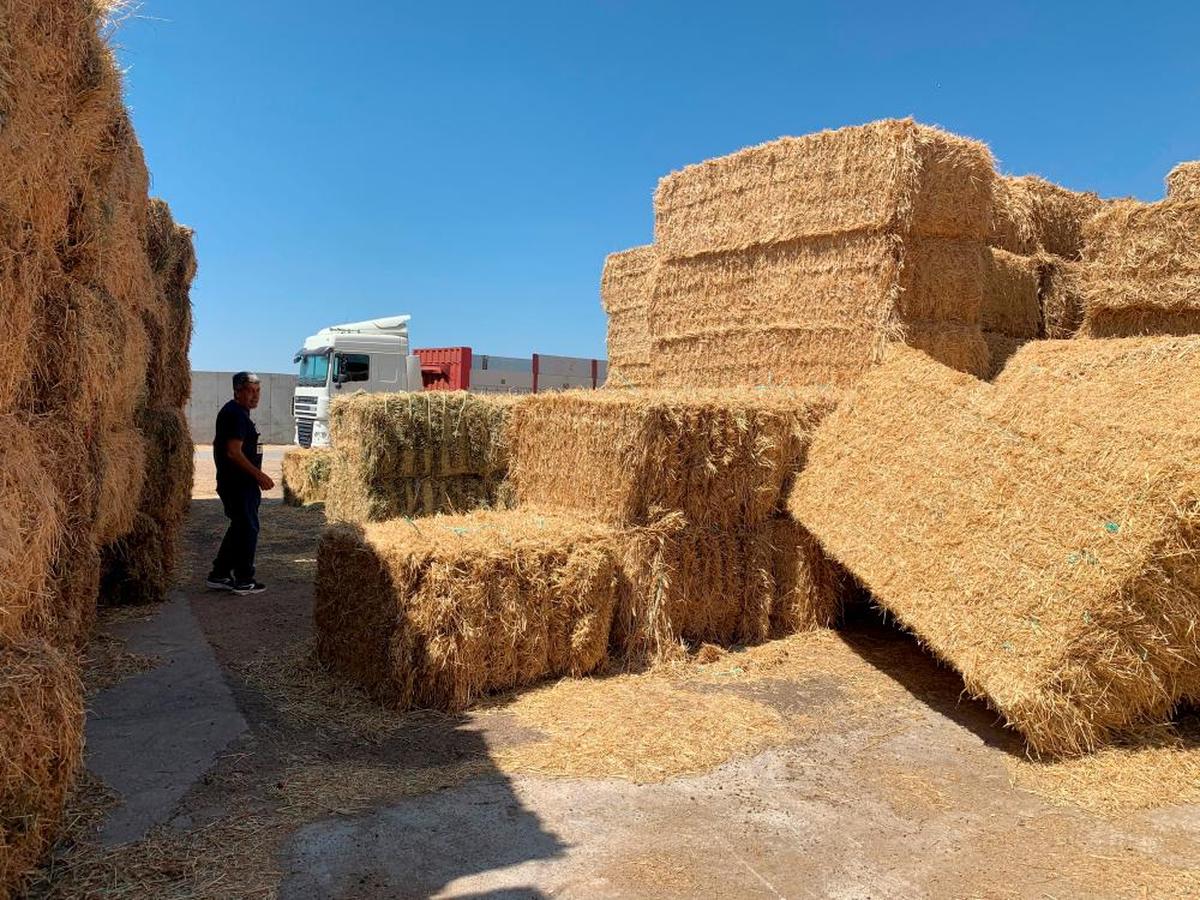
(241, 588)
(217, 583)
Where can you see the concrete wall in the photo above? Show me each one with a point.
(210, 391)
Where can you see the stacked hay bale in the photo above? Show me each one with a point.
(694, 482)
(1142, 272)
(796, 262)
(433, 612)
(1052, 555)
(306, 473)
(415, 454)
(77, 285)
(1032, 267)
(625, 289)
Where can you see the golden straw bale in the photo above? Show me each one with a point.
(41, 746)
(73, 590)
(31, 513)
(625, 295)
(435, 612)
(173, 261)
(120, 479)
(892, 175)
(1060, 296)
(1143, 272)
(415, 453)
(723, 586)
(306, 475)
(1183, 181)
(138, 567)
(167, 491)
(1032, 215)
(721, 458)
(1011, 304)
(1052, 555)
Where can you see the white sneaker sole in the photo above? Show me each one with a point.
(218, 585)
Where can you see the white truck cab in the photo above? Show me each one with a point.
(372, 356)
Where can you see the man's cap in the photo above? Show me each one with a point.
(243, 378)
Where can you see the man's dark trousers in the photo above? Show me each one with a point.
(241, 538)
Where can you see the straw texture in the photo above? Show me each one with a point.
(1052, 555)
(1183, 181)
(306, 475)
(435, 612)
(1032, 215)
(625, 295)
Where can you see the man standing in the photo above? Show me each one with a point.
(240, 483)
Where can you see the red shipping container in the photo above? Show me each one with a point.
(445, 368)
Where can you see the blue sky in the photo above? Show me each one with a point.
(472, 163)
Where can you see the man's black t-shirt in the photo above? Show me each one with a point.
(233, 422)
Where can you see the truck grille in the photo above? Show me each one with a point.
(304, 428)
(304, 406)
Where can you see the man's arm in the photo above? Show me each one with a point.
(233, 449)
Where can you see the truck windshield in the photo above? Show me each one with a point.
(314, 371)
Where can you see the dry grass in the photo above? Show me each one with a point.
(306, 475)
(1053, 555)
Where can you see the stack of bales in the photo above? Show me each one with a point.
(798, 261)
(77, 285)
(1142, 271)
(1032, 267)
(693, 481)
(306, 473)
(625, 289)
(1052, 553)
(414, 454)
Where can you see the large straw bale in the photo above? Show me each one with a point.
(306, 474)
(1143, 271)
(1183, 181)
(169, 324)
(743, 585)
(31, 512)
(1010, 296)
(888, 176)
(121, 477)
(721, 458)
(41, 745)
(349, 499)
(435, 612)
(1052, 555)
(1032, 215)
(167, 491)
(138, 568)
(625, 295)
(1061, 298)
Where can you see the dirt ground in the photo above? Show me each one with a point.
(832, 764)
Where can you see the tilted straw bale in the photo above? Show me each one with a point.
(41, 746)
(1183, 181)
(1011, 304)
(31, 513)
(1032, 215)
(435, 612)
(306, 474)
(1143, 269)
(1052, 555)
(625, 295)
(892, 175)
(721, 458)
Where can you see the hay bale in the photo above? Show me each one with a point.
(306, 474)
(31, 513)
(888, 176)
(1051, 555)
(685, 585)
(1011, 304)
(416, 453)
(1183, 181)
(1032, 215)
(169, 322)
(436, 612)
(137, 569)
(167, 491)
(625, 295)
(1061, 298)
(121, 477)
(1143, 269)
(41, 745)
(721, 458)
